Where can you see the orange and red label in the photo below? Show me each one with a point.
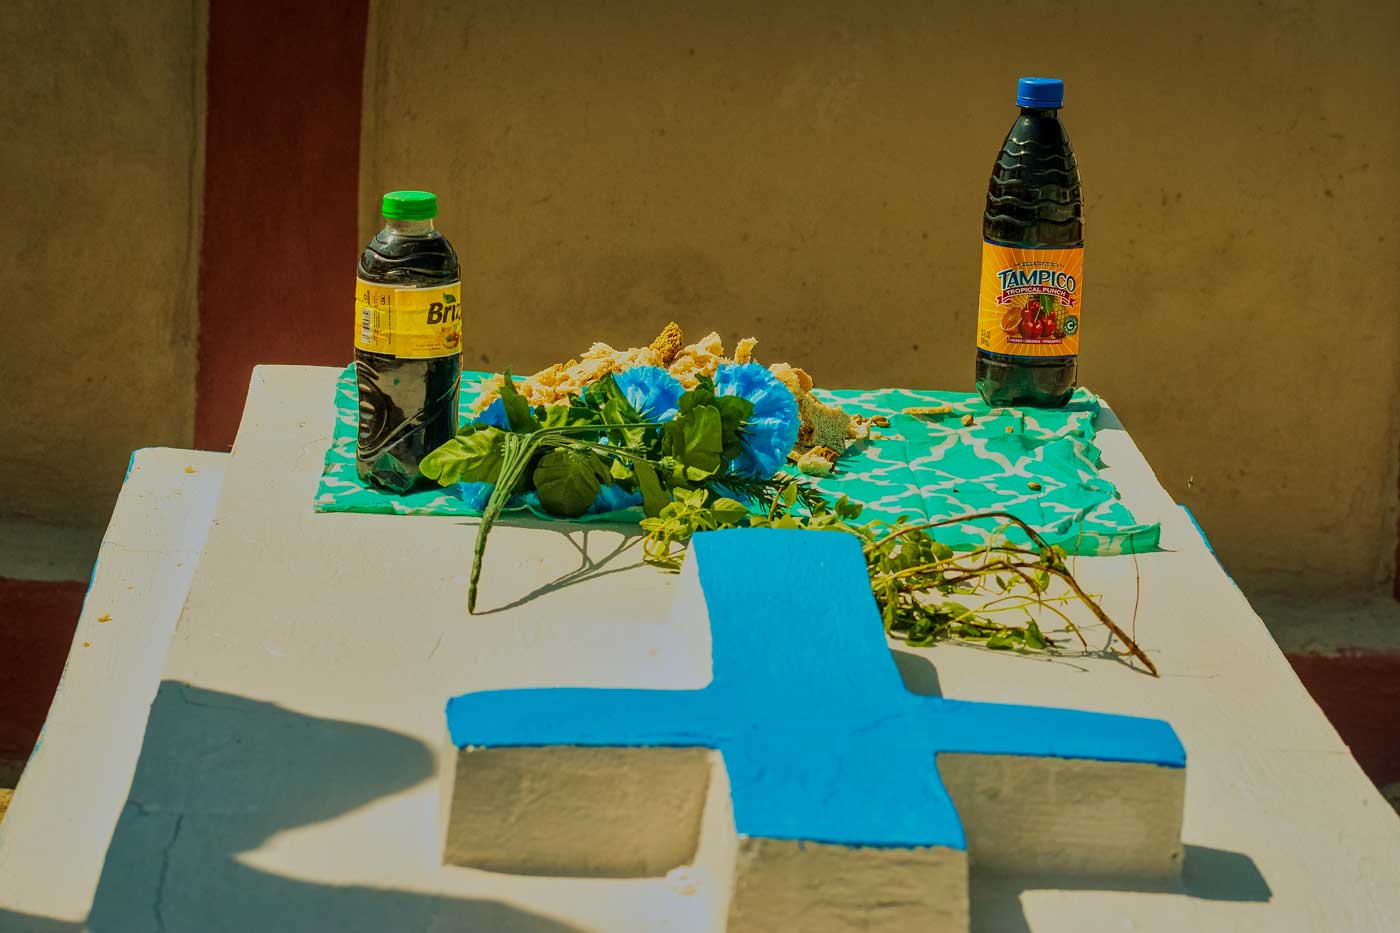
(1030, 301)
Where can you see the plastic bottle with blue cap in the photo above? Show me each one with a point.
(1032, 284)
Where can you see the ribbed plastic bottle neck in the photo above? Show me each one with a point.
(1050, 113)
(408, 227)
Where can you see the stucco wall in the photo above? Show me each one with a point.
(100, 166)
(813, 172)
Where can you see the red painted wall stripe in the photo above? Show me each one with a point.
(39, 617)
(281, 182)
(1360, 693)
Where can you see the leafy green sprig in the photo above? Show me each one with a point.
(921, 585)
(567, 453)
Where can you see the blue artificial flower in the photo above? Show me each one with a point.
(494, 416)
(612, 499)
(474, 495)
(768, 434)
(651, 390)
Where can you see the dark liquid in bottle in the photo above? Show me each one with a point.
(408, 407)
(1033, 201)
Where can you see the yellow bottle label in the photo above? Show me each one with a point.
(413, 323)
(1030, 301)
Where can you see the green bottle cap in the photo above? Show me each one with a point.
(410, 205)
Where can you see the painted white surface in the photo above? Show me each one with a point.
(288, 773)
(54, 837)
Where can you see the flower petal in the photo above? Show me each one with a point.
(768, 434)
(494, 415)
(651, 390)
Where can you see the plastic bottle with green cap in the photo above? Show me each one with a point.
(408, 342)
(1032, 285)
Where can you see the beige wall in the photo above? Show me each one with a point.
(813, 173)
(100, 167)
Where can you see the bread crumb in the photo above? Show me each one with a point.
(104, 618)
(968, 421)
(87, 644)
(929, 411)
(743, 353)
(819, 461)
(190, 469)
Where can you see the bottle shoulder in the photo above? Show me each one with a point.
(1034, 194)
(394, 259)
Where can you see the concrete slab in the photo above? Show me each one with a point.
(289, 775)
(55, 835)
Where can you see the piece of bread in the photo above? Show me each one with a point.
(829, 426)
(668, 343)
(698, 359)
(821, 425)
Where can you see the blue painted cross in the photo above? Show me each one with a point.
(821, 739)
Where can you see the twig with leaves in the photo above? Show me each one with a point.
(681, 467)
(915, 577)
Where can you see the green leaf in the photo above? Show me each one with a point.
(474, 457)
(568, 416)
(568, 481)
(605, 397)
(1034, 637)
(622, 416)
(654, 497)
(1001, 641)
(694, 440)
(728, 511)
(788, 497)
(848, 510)
(522, 419)
(601, 469)
(702, 394)
(889, 612)
(690, 498)
(733, 412)
(599, 393)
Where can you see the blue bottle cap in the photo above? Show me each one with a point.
(1045, 93)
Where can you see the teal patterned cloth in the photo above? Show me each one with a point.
(924, 468)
